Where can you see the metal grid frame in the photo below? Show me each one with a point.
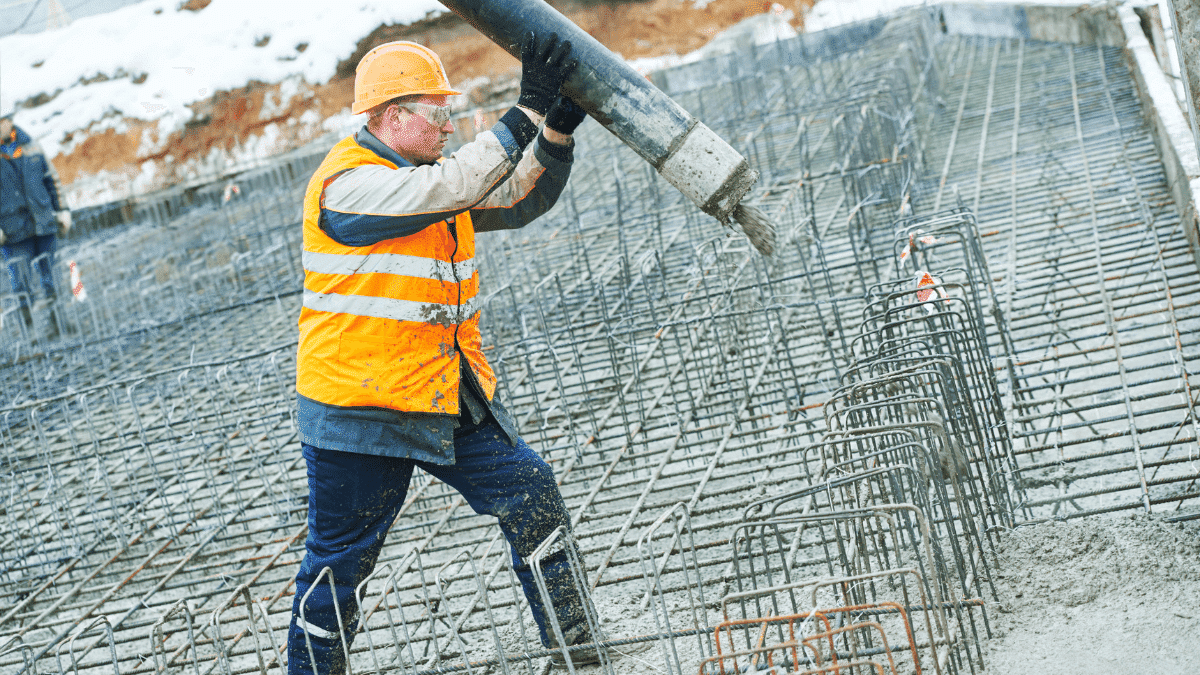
(153, 510)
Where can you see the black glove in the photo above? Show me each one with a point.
(543, 70)
(565, 116)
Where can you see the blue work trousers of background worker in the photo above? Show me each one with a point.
(20, 257)
(354, 498)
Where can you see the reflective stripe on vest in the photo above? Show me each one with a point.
(388, 263)
(390, 308)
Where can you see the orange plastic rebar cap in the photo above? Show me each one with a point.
(398, 69)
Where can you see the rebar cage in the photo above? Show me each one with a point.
(979, 314)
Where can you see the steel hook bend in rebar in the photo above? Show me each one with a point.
(158, 637)
(326, 572)
(480, 596)
(652, 574)
(112, 645)
(578, 578)
(17, 643)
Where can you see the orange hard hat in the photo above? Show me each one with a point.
(398, 69)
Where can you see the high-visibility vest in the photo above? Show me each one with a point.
(383, 325)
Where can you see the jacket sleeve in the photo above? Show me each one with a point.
(49, 178)
(531, 191)
(368, 204)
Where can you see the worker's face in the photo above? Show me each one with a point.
(5, 129)
(419, 140)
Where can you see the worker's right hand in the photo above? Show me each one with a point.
(3, 237)
(64, 222)
(544, 68)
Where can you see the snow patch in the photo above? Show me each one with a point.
(278, 101)
(310, 118)
(760, 29)
(152, 66)
(833, 13)
(343, 123)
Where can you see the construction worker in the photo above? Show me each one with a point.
(390, 371)
(32, 213)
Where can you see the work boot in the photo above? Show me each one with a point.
(588, 655)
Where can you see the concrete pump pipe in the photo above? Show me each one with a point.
(688, 154)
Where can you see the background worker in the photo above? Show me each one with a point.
(390, 368)
(31, 214)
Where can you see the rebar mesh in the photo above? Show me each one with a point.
(978, 315)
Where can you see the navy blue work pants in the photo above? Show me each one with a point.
(19, 259)
(354, 498)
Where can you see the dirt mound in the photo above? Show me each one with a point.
(634, 29)
(1098, 596)
(232, 124)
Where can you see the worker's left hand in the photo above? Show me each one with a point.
(565, 115)
(544, 68)
(64, 222)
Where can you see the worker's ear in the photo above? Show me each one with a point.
(394, 114)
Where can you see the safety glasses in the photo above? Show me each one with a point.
(437, 115)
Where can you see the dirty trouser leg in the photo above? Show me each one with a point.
(45, 247)
(352, 501)
(34, 255)
(17, 258)
(517, 486)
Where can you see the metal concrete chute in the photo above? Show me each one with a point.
(691, 156)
